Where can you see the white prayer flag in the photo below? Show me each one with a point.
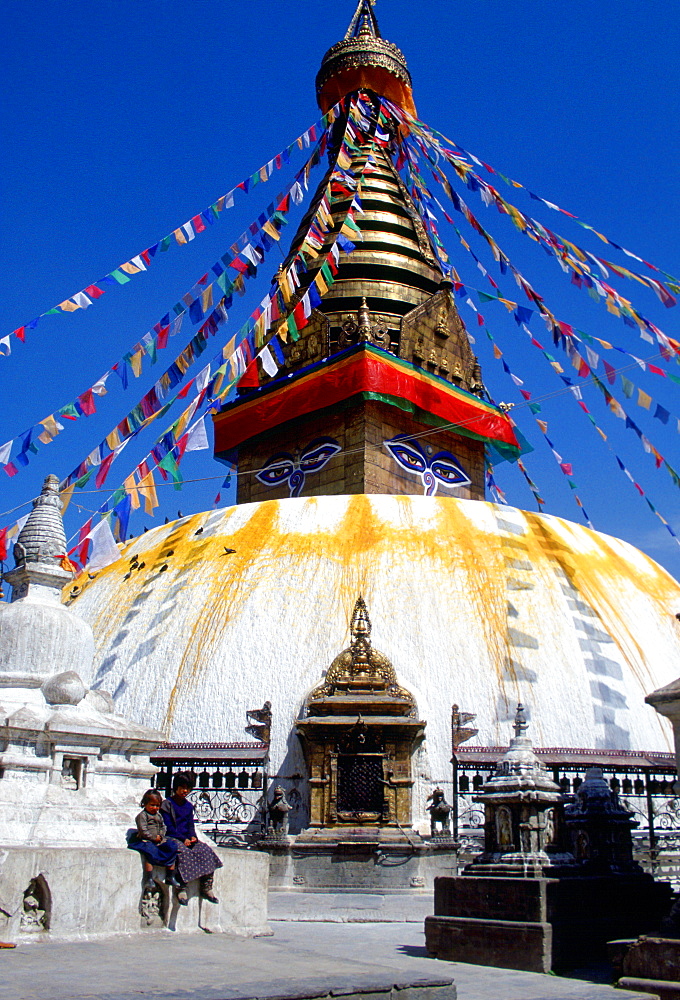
(197, 439)
(104, 549)
(268, 362)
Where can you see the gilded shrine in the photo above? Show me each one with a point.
(359, 733)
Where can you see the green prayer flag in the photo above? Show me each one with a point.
(292, 328)
(627, 386)
(84, 479)
(120, 276)
(170, 465)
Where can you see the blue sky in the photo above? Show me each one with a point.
(127, 118)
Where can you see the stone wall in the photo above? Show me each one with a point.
(68, 894)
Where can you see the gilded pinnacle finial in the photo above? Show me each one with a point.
(364, 21)
(364, 60)
(520, 725)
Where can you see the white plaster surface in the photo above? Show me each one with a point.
(97, 893)
(474, 603)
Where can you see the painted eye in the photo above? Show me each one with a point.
(277, 470)
(315, 455)
(409, 456)
(448, 470)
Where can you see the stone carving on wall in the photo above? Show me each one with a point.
(151, 907)
(438, 469)
(35, 915)
(293, 469)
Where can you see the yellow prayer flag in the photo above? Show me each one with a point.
(113, 439)
(321, 284)
(130, 268)
(612, 306)
(130, 487)
(644, 400)
(68, 306)
(207, 298)
(136, 363)
(282, 332)
(179, 236)
(65, 497)
(147, 489)
(270, 229)
(510, 306)
(497, 353)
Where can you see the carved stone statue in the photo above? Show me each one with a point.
(278, 811)
(33, 917)
(440, 813)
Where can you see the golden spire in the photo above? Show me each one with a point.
(364, 60)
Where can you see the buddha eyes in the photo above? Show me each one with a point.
(277, 470)
(443, 466)
(408, 456)
(448, 470)
(315, 456)
(283, 466)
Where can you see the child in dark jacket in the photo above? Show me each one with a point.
(151, 841)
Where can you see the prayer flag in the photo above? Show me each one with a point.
(104, 550)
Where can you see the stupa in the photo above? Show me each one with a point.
(361, 472)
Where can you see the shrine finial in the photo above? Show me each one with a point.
(364, 21)
(520, 725)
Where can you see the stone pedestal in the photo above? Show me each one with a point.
(539, 924)
(359, 859)
(94, 893)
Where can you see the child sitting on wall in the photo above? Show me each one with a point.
(151, 841)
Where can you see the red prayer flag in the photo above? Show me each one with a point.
(239, 265)
(182, 392)
(11, 469)
(162, 338)
(657, 371)
(103, 470)
(611, 372)
(20, 332)
(94, 292)
(198, 224)
(250, 378)
(86, 402)
(566, 468)
(3, 544)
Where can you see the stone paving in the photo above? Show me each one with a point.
(301, 959)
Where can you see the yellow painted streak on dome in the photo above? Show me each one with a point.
(227, 590)
(479, 554)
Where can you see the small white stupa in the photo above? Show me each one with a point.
(72, 773)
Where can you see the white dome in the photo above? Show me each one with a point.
(474, 603)
(41, 638)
